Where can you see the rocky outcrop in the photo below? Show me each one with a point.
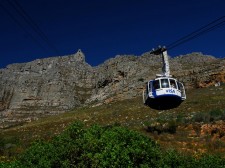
(124, 77)
(44, 86)
(57, 84)
(200, 70)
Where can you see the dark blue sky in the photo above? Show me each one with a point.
(105, 28)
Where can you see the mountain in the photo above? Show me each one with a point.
(50, 86)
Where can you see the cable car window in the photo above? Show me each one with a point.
(150, 86)
(182, 89)
(179, 85)
(156, 84)
(173, 83)
(164, 83)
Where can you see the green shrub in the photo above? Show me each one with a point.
(206, 117)
(111, 146)
(202, 117)
(93, 147)
(172, 158)
(172, 127)
(216, 115)
(208, 161)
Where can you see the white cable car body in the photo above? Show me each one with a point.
(164, 92)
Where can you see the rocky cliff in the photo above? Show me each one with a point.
(57, 84)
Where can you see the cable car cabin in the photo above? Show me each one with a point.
(164, 93)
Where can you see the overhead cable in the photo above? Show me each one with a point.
(24, 29)
(20, 10)
(205, 29)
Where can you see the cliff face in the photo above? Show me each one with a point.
(124, 77)
(53, 85)
(40, 87)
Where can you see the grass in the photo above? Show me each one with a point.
(134, 115)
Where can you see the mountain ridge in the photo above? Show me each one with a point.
(54, 85)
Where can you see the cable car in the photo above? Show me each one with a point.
(164, 92)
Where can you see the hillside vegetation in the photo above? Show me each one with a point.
(193, 129)
(110, 146)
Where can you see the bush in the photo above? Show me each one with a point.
(111, 146)
(168, 127)
(172, 158)
(202, 117)
(206, 117)
(217, 115)
(93, 147)
(208, 161)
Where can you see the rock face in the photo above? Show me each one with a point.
(51, 85)
(57, 84)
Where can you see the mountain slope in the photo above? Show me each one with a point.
(196, 126)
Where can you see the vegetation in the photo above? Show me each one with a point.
(184, 135)
(111, 146)
(210, 116)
